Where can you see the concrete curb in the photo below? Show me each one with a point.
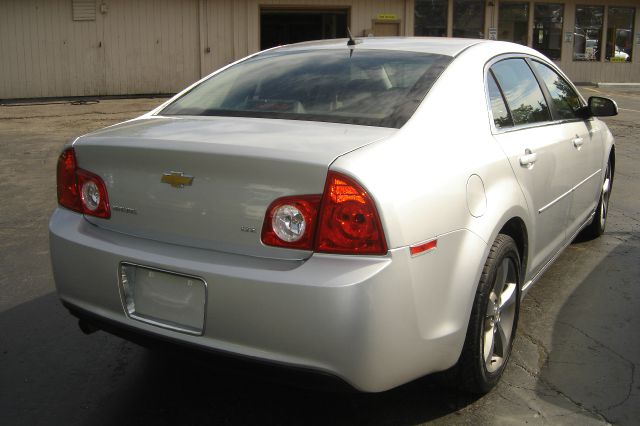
(621, 85)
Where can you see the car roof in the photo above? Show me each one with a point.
(437, 45)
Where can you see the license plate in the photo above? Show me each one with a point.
(163, 298)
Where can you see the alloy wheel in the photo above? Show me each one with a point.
(500, 316)
(606, 193)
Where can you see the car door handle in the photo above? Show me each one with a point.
(528, 158)
(577, 142)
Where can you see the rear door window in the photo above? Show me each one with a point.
(566, 102)
(522, 92)
(499, 111)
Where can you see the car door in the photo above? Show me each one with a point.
(522, 125)
(583, 136)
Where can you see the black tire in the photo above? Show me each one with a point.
(599, 222)
(480, 367)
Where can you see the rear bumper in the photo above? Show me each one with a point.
(375, 322)
(213, 359)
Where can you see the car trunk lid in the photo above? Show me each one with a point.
(238, 167)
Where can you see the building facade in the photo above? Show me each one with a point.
(54, 48)
(591, 40)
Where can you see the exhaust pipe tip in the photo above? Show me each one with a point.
(86, 327)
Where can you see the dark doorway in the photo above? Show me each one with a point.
(285, 26)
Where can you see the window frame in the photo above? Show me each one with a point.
(453, 20)
(491, 76)
(601, 40)
(605, 32)
(529, 33)
(545, 93)
(562, 26)
(446, 19)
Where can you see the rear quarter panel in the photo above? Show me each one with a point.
(419, 177)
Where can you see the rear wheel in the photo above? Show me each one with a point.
(493, 321)
(596, 227)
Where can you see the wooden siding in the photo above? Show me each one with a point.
(150, 46)
(220, 25)
(160, 46)
(362, 13)
(234, 25)
(44, 52)
(137, 46)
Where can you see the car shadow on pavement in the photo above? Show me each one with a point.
(173, 392)
(588, 366)
(53, 374)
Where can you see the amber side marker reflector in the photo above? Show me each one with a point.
(423, 247)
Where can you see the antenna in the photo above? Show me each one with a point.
(351, 41)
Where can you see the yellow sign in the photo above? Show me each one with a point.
(177, 179)
(387, 17)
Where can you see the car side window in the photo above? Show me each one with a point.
(501, 116)
(522, 92)
(565, 100)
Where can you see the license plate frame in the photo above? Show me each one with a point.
(163, 298)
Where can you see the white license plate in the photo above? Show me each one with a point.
(163, 298)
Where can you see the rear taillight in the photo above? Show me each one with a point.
(291, 222)
(349, 222)
(68, 194)
(343, 220)
(80, 190)
(93, 194)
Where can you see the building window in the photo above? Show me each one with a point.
(587, 37)
(513, 22)
(547, 29)
(431, 18)
(468, 18)
(619, 34)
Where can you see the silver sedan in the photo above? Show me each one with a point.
(374, 209)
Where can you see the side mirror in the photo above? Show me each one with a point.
(602, 107)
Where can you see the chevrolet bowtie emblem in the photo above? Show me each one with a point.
(177, 179)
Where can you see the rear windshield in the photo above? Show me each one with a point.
(354, 86)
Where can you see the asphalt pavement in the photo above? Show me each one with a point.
(575, 358)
